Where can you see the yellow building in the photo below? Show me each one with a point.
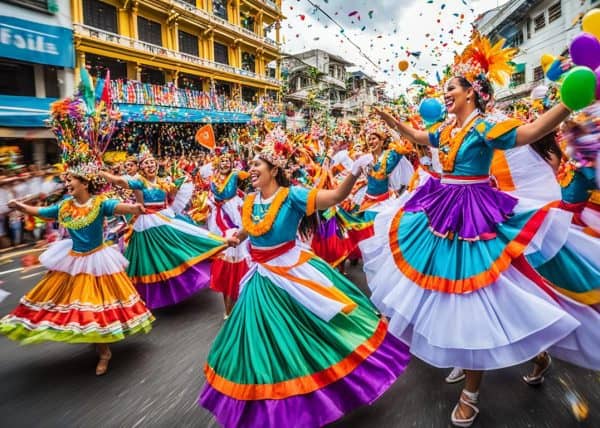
(191, 43)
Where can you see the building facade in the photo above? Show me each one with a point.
(536, 27)
(363, 92)
(204, 45)
(315, 77)
(36, 68)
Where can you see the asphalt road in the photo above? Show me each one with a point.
(154, 379)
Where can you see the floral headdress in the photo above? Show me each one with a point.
(144, 154)
(275, 148)
(376, 126)
(83, 126)
(481, 63)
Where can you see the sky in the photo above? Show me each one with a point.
(423, 32)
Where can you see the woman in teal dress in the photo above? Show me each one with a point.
(169, 258)
(302, 346)
(86, 296)
(450, 269)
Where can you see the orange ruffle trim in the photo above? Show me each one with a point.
(300, 385)
(466, 285)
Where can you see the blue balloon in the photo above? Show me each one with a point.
(432, 110)
(555, 71)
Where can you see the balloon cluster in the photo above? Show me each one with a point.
(581, 84)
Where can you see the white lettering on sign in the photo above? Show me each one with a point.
(23, 38)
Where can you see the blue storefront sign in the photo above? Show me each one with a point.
(33, 42)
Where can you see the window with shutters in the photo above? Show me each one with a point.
(149, 31)
(100, 15)
(554, 12)
(249, 94)
(153, 76)
(516, 40)
(188, 43)
(538, 73)
(248, 62)
(17, 78)
(220, 8)
(539, 22)
(221, 53)
(517, 79)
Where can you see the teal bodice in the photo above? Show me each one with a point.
(285, 226)
(89, 235)
(376, 187)
(474, 156)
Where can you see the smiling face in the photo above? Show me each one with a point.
(131, 168)
(262, 173)
(225, 165)
(75, 186)
(456, 96)
(149, 167)
(374, 142)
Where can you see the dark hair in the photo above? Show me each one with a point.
(94, 185)
(486, 88)
(547, 146)
(281, 178)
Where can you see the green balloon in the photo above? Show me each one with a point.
(578, 89)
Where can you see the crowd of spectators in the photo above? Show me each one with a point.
(33, 185)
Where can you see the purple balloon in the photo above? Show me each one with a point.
(585, 50)
(597, 83)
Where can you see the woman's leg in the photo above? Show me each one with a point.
(465, 411)
(104, 356)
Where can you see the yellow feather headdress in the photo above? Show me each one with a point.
(483, 61)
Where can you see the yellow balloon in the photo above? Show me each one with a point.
(403, 65)
(547, 61)
(591, 22)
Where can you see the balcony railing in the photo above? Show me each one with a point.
(223, 22)
(271, 4)
(156, 50)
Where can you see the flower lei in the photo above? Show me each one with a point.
(265, 225)
(450, 145)
(73, 217)
(381, 172)
(566, 172)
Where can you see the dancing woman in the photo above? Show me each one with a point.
(168, 257)
(225, 204)
(303, 346)
(453, 277)
(86, 296)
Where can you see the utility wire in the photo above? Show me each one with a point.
(365, 56)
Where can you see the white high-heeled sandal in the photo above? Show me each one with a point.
(471, 398)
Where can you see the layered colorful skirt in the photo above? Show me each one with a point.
(230, 266)
(169, 259)
(449, 271)
(572, 266)
(301, 348)
(84, 298)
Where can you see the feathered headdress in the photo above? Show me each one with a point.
(275, 148)
(481, 61)
(83, 126)
(144, 153)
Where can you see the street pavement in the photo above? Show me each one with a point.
(154, 379)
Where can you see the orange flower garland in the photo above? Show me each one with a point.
(265, 225)
(381, 173)
(77, 217)
(450, 145)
